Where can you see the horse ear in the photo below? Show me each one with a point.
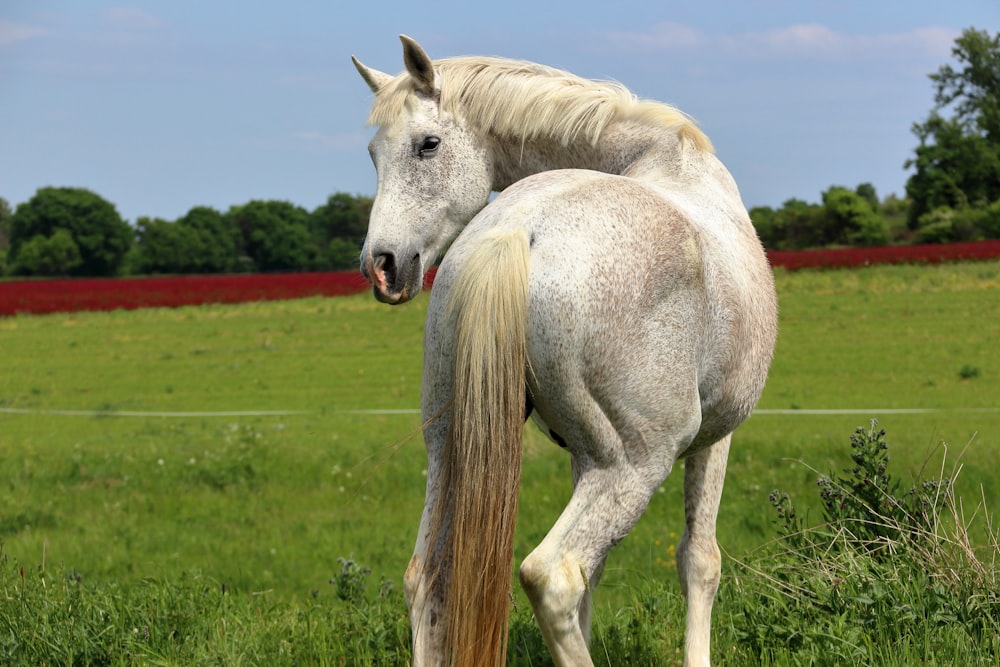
(418, 64)
(374, 78)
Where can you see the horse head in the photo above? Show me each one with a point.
(434, 175)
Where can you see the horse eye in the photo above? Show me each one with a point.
(429, 146)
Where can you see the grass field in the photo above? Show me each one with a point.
(143, 514)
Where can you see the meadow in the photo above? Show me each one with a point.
(241, 484)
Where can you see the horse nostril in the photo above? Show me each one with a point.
(384, 270)
(386, 263)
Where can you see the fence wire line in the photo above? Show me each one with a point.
(414, 411)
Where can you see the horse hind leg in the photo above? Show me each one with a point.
(587, 602)
(560, 574)
(699, 562)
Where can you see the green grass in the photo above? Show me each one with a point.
(221, 535)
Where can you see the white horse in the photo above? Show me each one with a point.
(615, 291)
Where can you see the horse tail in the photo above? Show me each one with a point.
(481, 466)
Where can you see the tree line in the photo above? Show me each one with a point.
(953, 194)
(954, 191)
(75, 232)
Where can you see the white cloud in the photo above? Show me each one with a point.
(807, 40)
(933, 41)
(666, 35)
(131, 27)
(12, 32)
(804, 39)
(131, 19)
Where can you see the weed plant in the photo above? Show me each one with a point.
(885, 569)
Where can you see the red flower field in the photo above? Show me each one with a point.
(904, 254)
(50, 296)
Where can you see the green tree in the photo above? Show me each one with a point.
(338, 228)
(974, 90)
(867, 192)
(851, 219)
(987, 220)
(5, 215)
(957, 163)
(275, 235)
(340, 253)
(100, 235)
(954, 169)
(219, 240)
(202, 241)
(895, 209)
(764, 221)
(56, 255)
(798, 224)
(162, 246)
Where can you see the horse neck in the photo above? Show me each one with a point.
(626, 149)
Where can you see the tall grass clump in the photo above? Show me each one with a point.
(892, 574)
(49, 616)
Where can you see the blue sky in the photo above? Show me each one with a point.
(162, 106)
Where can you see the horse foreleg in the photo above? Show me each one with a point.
(421, 583)
(699, 563)
(424, 605)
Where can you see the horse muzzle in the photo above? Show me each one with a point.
(393, 281)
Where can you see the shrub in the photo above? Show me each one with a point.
(968, 372)
(879, 554)
(985, 221)
(937, 226)
(352, 580)
(948, 225)
(850, 217)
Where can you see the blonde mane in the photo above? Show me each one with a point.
(523, 101)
